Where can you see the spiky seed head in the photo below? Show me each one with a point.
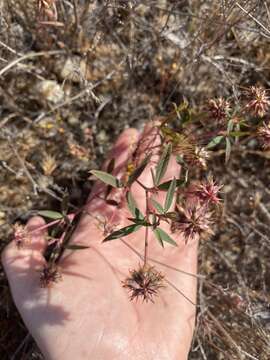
(206, 192)
(264, 135)
(144, 283)
(21, 235)
(219, 108)
(258, 101)
(195, 220)
(48, 165)
(181, 143)
(49, 275)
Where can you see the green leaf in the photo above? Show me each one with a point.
(109, 170)
(106, 178)
(158, 206)
(180, 160)
(230, 126)
(215, 141)
(170, 195)
(170, 215)
(133, 206)
(141, 222)
(139, 170)
(155, 220)
(228, 150)
(165, 186)
(185, 176)
(158, 237)
(50, 214)
(76, 247)
(122, 232)
(163, 164)
(182, 111)
(162, 236)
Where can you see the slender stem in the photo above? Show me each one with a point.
(29, 56)
(143, 186)
(46, 226)
(146, 229)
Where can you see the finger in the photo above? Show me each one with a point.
(173, 171)
(150, 142)
(23, 266)
(37, 236)
(121, 153)
(14, 259)
(97, 211)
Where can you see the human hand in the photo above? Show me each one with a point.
(88, 315)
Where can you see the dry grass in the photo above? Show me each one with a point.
(115, 64)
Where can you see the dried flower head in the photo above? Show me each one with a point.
(193, 221)
(185, 146)
(219, 108)
(264, 135)
(201, 155)
(206, 192)
(21, 236)
(49, 275)
(259, 101)
(48, 164)
(144, 282)
(181, 143)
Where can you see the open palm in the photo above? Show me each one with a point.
(88, 315)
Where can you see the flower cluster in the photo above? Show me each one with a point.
(264, 135)
(195, 220)
(49, 275)
(259, 101)
(144, 282)
(206, 192)
(219, 108)
(201, 155)
(181, 143)
(21, 236)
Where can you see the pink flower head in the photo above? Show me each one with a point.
(264, 135)
(219, 108)
(144, 283)
(21, 236)
(49, 275)
(207, 192)
(193, 221)
(259, 101)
